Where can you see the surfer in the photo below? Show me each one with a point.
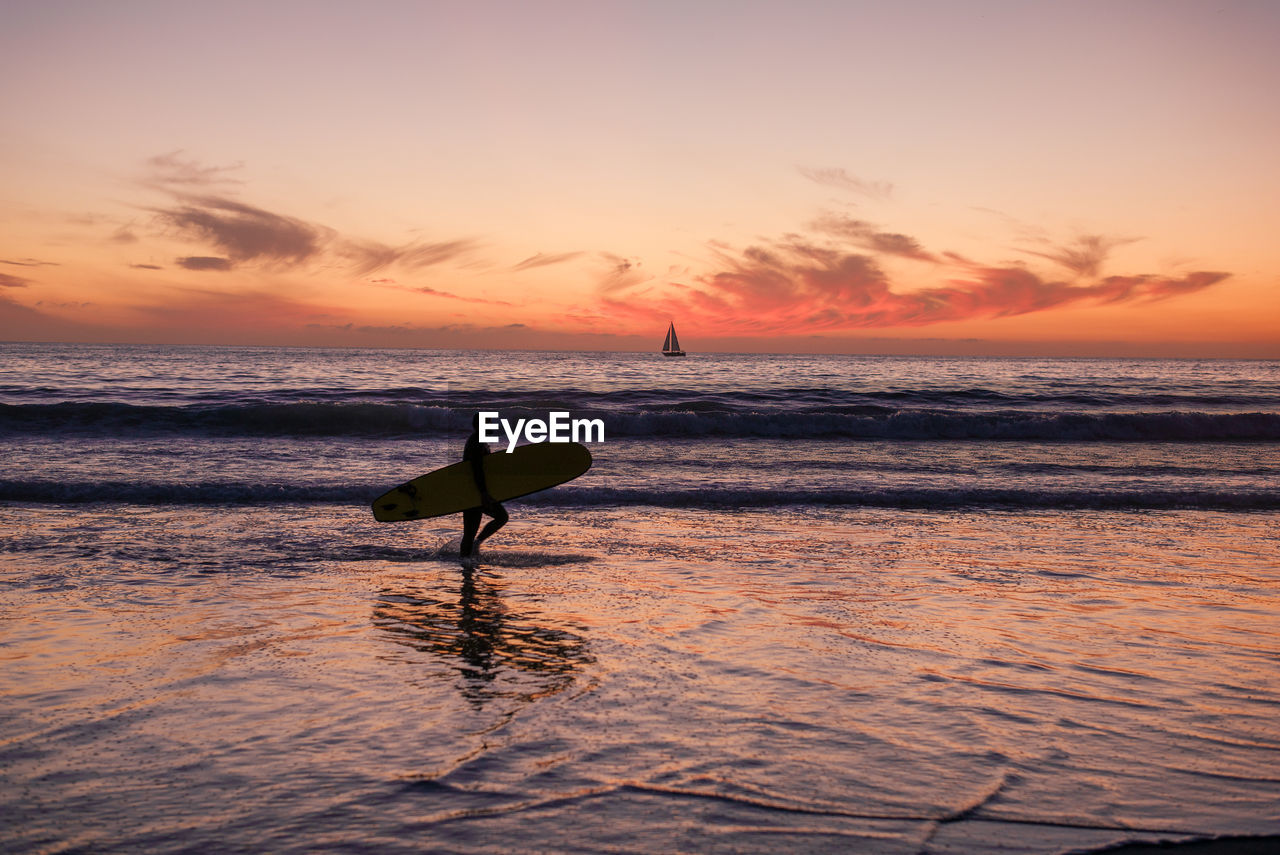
(474, 451)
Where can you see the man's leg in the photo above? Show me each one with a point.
(500, 518)
(470, 524)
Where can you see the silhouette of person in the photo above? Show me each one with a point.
(474, 451)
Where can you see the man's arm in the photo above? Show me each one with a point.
(477, 471)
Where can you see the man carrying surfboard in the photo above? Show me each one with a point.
(474, 452)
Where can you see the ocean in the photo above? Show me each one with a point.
(798, 603)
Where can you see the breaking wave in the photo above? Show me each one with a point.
(391, 420)
(570, 496)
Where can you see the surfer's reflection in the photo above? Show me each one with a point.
(498, 653)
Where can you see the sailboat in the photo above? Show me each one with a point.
(671, 347)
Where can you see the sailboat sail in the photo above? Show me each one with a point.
(671, 345)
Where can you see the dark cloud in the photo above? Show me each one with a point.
(246, 233)
(200, 262)
(842, 180)
(146, 267)
(8, 281)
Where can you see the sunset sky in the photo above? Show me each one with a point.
(1094, 178)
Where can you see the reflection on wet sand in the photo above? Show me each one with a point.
(497, 653)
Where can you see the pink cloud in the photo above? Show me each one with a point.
(799, 286)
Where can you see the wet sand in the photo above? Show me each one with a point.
(642, 681)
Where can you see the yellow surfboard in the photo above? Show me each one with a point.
(526, 470)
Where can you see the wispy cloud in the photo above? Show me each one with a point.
(9, 281)
(620, 273)
(203, 262)
(29, 262)
(1085, 256)
(366, 257)
(436, 292)
(840, 179)
(173, 169)
(545, 260)
(868, 236)
(245, 234)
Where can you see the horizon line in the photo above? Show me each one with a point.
(970, 354)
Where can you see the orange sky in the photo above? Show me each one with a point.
(1058, 179)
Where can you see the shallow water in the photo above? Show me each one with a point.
(299, 678)
(799, 603)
